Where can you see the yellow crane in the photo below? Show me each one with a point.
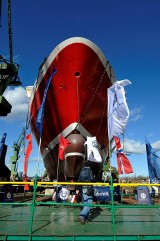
(13, 159)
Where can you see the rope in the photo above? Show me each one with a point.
(89, 104)
(77, 96)
(101, 120)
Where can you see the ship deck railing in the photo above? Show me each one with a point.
(34, 219)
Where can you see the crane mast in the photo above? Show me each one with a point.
(8, 69)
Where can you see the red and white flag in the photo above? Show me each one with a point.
(63, 143)
(28, 152)
(124, 165)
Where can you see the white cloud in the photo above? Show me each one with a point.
(19, 101)
(136, 114)
(156, 146)
(136, 147)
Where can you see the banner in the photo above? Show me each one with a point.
(143, 195)
(153, 161)
(124, 165)
(27, 154)
(118, 112)
(2, 143)
(62, 194)
(103, 194)
(63, 143)
(40, 115)
(92, 150)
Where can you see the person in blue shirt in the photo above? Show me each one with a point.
(86, 175)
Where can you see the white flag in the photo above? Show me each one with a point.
(92, 150)
(118, 112)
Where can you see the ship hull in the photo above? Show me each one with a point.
(76, 101)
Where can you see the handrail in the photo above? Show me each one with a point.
(111, 206)
(81, 184)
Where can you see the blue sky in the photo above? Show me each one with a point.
(127, 32)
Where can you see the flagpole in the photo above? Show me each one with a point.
(86, 154)
(123, 151)
(57, 169)
(38, 156)
(109, 156)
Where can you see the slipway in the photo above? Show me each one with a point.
(49, 220)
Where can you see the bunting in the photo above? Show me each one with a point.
(118, 112)
(153, 161)
(40, 115)
(2, 143)
(63, 143)
(124, 165)
(92, 150)
(27, 154)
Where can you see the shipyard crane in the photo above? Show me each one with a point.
(8, 69)
(13, 159)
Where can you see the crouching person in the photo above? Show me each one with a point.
(86, 175)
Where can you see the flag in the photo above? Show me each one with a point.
(92, 150)
(153, 161)
(124, 165)
(2, 143)
(118, 112)
(28, 152)
(40, 115)
(63, 143)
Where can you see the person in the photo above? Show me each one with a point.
(86, 175)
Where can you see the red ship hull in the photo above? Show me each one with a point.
(76, 101)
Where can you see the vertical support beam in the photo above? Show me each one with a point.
(112, 208)
(33, 204)
(10, 32)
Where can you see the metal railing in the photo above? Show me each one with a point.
(111, 206)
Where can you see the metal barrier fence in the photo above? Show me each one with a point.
(116, 233)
